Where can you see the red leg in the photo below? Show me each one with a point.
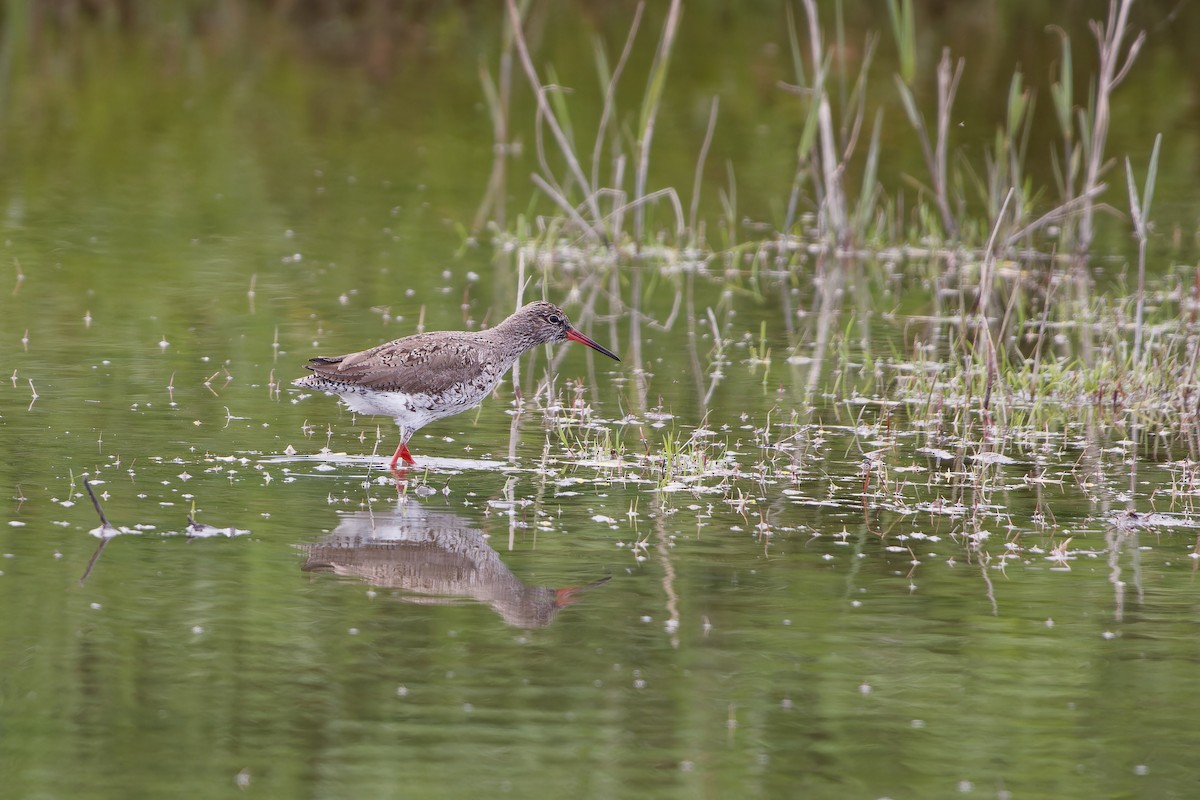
(402, 452)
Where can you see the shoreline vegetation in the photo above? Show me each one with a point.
(1019, 333)
(957, 210)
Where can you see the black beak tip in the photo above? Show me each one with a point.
(576, 336)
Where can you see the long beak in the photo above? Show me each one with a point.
(569, 595)
(576, 336)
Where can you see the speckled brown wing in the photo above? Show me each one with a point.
(421, 364)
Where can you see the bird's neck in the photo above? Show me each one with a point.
(512, 335)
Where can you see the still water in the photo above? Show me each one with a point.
(745, 579)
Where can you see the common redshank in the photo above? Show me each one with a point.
(422, 378)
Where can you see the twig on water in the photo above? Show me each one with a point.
(106, 532)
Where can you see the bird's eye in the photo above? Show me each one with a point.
(554, 319)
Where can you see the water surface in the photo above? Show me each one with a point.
(794, 584)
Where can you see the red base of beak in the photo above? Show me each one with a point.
(576, 336)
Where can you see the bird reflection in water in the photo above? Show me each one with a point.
(434, 557)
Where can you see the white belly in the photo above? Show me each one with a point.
(411, 411)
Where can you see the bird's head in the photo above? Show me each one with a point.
(545, 322)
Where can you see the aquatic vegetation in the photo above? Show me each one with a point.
(1013, 329)
(962, 210)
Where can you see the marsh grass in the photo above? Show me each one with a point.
(1016, 337)
(959, 204)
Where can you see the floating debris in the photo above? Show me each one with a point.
(198, 530)
(1130, 520)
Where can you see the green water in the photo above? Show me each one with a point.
(193, 208)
